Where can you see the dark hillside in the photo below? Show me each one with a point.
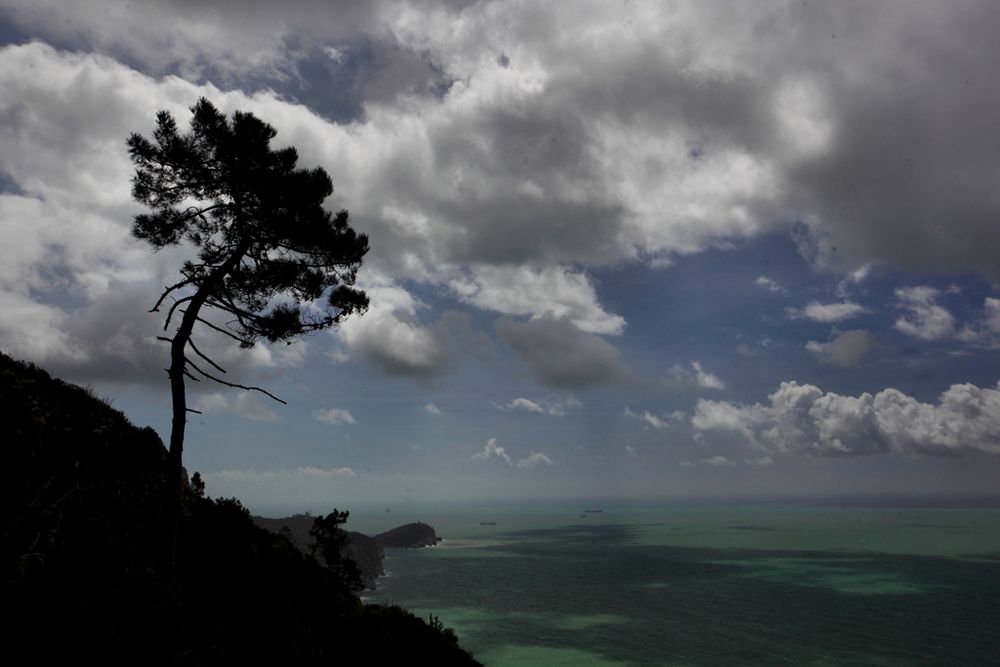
(83, 551)
(363, 550)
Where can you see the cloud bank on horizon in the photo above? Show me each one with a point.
(525, 173)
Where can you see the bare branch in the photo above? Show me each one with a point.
(188, 374)
(165, 339)
(221, 330)
(168, 290)
(233, 384)
(197, 412)
(199, 353)
(170, 313)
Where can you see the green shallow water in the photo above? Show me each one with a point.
(708, 586)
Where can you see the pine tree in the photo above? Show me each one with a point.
(269, 257)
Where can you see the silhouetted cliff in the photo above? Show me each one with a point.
(83, 569)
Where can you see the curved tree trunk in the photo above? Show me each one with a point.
(178, 396)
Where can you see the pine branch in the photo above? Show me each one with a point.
(168, 290)
(170, 313)
(233, 384)
(221, 330)
(199, 353)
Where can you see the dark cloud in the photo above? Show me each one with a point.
(845, 349)
(561, 356)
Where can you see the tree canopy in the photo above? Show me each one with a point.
(267, 250)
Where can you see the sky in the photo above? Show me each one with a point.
(618, 249)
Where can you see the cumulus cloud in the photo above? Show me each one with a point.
(571, 155)
(432, 409)
(390, 336)
(804, 419)
(224, 39)
(846, 349)
(923, 318)
(79, 283)
(244, 404)
(493, 452)
(573, 152)
(334, 416)
(554, 291)
(562, 356)
(826, 312)
(553, 407)
(695, 379)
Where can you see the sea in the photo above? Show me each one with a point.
(630, 583)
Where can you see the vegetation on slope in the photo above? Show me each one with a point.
(84, 578)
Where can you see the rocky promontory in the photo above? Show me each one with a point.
(365, 551)
(411, 536)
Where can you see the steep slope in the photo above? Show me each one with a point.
(82, 564)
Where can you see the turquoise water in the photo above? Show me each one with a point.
(550, 585)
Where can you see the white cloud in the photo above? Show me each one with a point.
(714, 461)
(523, 404)
(577, 153)
(493, 452)
(555, 291)
(574, 155)
(717, 461)
(804, 419)
(212, 403)
(249, 38)
(851, 280)
(695, 379)
(847, 349)
(244, 404)
(985, 332)
(553, 407)
(334, 416)
(827, 312)
(657, 423)
(534, 460)
(432, 409)
(925, 319)
(770, 284)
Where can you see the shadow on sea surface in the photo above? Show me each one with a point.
(596, 589)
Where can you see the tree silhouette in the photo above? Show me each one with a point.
(329, 540)
(269, 257)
